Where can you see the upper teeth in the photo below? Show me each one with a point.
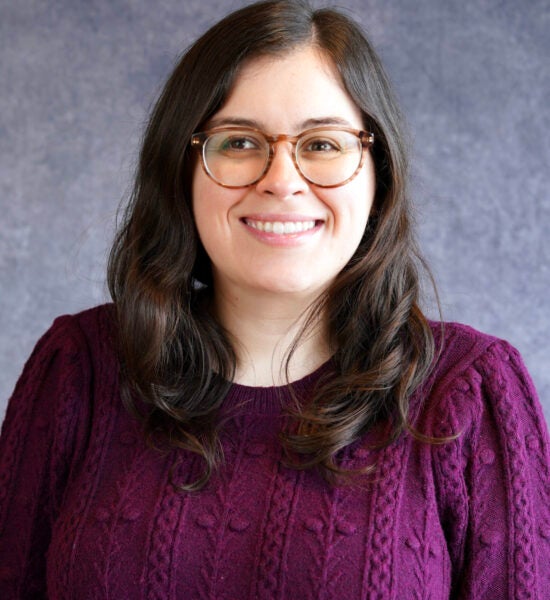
(281, 227)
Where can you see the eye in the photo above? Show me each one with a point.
(236, 143)
(320, 145)
(239, 143)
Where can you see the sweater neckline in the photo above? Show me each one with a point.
(270, 399)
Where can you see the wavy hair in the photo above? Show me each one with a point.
(176, 358)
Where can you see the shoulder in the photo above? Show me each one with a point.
(462, 352)
(88, 335)
(67, 376)
(73, 342)
(66, 361)
(93, 325)
(458, 347)
(476, 375)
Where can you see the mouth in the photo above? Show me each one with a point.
(285, 227)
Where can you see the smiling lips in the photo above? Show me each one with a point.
(281, 227)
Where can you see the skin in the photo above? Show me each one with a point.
(264, 283)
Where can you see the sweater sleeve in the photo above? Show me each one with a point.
(495, 481)
(39, 447)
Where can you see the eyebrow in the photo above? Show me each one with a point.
(327, 121)
(312, 122)
(239, 122)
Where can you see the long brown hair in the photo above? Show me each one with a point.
(175, 357)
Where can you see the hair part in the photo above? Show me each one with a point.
(175, 357)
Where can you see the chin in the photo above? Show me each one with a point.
(294, 287)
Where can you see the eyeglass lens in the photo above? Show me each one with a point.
(240, 157)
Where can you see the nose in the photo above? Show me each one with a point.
(282, 178)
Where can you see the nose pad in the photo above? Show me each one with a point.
(282, 178)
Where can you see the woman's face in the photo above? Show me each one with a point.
(286, 94)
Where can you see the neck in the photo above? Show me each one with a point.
(264, 329)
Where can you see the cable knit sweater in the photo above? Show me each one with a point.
(88, 510)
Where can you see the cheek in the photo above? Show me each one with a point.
(210, 201)
(197, 205)
(199, 186)
(366, 191)
(353, 210)
(356, 205)
(212, 212)
(203, 203)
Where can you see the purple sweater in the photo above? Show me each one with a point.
(88, 510)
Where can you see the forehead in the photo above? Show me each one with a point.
(280, 93)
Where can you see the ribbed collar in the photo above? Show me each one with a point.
(270, 400)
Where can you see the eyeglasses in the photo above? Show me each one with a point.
(240, 156)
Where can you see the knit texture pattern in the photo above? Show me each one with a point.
(89, 510)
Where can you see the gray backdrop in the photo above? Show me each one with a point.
(78, 78)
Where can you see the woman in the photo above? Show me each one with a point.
(264, 411)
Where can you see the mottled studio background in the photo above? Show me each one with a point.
(77, 80)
